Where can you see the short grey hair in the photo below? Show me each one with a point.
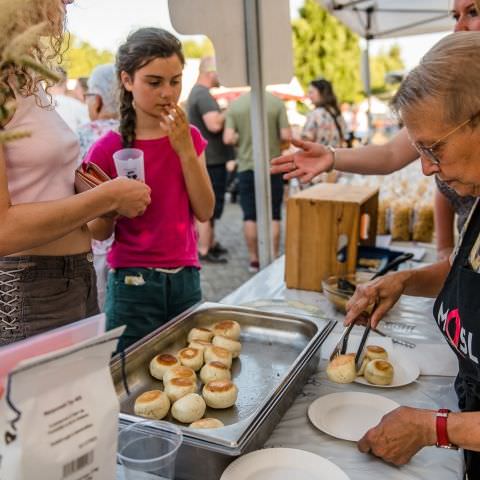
(103, 82)
(449, 74)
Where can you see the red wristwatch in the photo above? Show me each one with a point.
(442, 434)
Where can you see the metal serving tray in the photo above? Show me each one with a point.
(279, 353)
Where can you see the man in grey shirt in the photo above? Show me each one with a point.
(204, 112)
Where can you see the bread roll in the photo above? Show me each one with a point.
(342, 369)
(374, 352)
(199, 345)
(362, 366)
(227, 343)
(199, 333)
(153, 404)
(379, 372)
(220, 393)
(227, 328)
(179, 372)
(214, 371)
(218, 354)
(161, 363)
(177, 388)
(207, 423)
(189, 408)
(191, 357)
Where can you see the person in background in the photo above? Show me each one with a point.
(81, 88)
(47, 278)
(204, 112)
(238, 132)
(154, 258)
(314, 159)
(103, 108)
(73, 112)
(325, 123)
(431, 114)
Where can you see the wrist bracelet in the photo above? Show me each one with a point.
(441, 427)
(333, 152)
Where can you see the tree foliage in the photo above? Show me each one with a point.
(195, 49)
(323, 47)
(81, 58)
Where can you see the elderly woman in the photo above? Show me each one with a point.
(440, 107)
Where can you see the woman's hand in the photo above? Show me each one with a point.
(307, 163)
(176, 126)
(382, 292)
(131, 197)
(400, 435)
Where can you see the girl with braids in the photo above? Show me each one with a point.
(154, 258)
(46, 271)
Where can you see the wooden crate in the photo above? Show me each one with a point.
(318, 219)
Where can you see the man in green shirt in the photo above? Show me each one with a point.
(238, 132)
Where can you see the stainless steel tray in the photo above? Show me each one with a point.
(279, 353)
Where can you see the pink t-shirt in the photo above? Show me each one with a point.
(165, 235)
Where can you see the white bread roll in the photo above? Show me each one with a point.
(218, 354)
(374, 352)
(214, 371)
(227, 328)
(177, 388)
(161, 363)
(362, 366)
(191, 357)
(379, 372)
(199, 345)
(207, 423)
(342, 369)
(179, 372)
(152, 404)
(199, 333)
(189, 408)
(220, 393)
(227, 343)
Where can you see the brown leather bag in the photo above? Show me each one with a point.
(88, 176)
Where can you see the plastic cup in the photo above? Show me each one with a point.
(147, 450)
(129, 163)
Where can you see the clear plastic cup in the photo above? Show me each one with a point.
(129, 163)
(147, 450)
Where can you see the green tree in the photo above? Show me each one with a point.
(323, 47)
(383, 63)
(195, 49)
(81, 58)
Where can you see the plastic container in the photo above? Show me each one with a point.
(339, 297)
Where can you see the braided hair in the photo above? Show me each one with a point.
(141, 47)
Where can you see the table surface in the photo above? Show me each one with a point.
(267, 290)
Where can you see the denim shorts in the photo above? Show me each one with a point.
(40, 293)
(144, 299)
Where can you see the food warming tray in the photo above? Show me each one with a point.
(279, 353)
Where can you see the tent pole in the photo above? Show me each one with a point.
(368, 85)
(258, 116)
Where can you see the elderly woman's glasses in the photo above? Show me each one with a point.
(429, 151)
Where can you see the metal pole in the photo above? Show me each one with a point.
(259, 132)
(368, 84)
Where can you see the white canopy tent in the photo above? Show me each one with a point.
(381, 19)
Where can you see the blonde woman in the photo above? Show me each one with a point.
(46, 273)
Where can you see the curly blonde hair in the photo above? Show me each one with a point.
(31, 39)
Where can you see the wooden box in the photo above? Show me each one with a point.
(325, 224)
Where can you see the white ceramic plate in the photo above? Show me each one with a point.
(282, 464)
(349, 415)
(405, 371)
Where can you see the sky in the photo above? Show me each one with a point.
(105, 24)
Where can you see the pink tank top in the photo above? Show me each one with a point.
(40, 167)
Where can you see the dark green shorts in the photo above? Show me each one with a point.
(144, 299)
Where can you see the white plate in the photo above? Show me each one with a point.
(282, 464)
(405, 371)
(349, 415)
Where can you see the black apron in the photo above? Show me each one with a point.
(457, 312)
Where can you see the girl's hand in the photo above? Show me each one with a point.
(382, 292)
(176, 126)
(305, 164)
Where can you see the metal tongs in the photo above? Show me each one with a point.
(341, 346)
